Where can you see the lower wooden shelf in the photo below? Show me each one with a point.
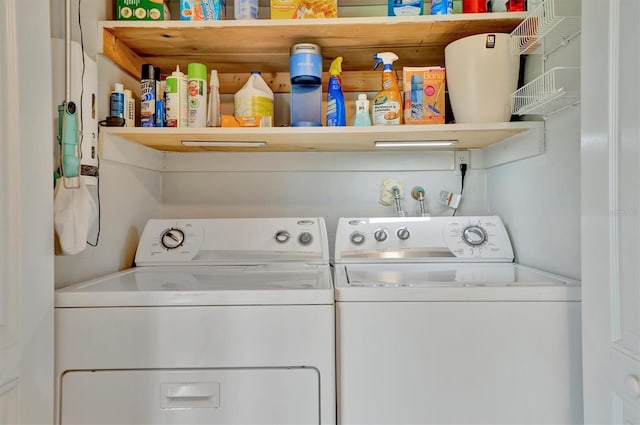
(323, 139)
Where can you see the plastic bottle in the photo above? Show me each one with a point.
(117, 101)
(336, 115)
(214, 115)
(245, 9)
(253, 100)
(387, 103)
(129, 109)
(160, 100)
(176, 97)
(148, 96)
(362, 111)
(197, 94)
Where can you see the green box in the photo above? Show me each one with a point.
(142, 10)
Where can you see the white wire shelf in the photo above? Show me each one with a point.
(551, 92)
(556, 21)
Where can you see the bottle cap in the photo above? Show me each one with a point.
(177, 72)
(197, 70)
(362, 96)
(148, 72)
(156, 73)
(117, 87)
(214, 81)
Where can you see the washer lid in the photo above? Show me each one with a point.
(204, 285)
(450, 282)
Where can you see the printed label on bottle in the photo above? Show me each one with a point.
(386, 112)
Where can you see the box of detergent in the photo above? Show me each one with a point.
(202, 10)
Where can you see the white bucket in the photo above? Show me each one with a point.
(482, 73)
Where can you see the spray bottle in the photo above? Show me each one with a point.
(387, 103)
(336, 114)
(214, 115)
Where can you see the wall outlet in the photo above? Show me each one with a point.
(461, 157)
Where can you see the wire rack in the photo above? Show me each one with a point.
(557, 19)
(551, 92)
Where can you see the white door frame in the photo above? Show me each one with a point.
(26, 214)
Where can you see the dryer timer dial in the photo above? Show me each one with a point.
(474, 235)
(172, 238)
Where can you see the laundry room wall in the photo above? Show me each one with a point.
(539, 198)
(129, 194)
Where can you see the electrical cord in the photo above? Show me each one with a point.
(463, 172)
(97, 173)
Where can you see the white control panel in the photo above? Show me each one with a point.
(233, 241)
(423, 239)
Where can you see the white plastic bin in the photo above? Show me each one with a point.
(482, 73)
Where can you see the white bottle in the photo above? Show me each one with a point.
(245, 9)
(362, 119)
(129, 109)
(253, 100)
(177, 108)
(214, 116)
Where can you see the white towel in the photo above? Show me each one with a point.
(74, 211)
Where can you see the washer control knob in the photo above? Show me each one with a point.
(305, 238)
(380, 235)
(357, 238)
(403, 233)
(172, 238)
(282, 236)
(474, 235)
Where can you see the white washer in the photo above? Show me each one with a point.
(435, 325)
(223, 321)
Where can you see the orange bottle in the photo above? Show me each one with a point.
(387, 103)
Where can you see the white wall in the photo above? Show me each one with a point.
(129, 195)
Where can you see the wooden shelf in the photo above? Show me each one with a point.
(321, 139)
(236, 47)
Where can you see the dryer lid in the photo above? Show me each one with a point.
(267, 284)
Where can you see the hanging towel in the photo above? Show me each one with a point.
(74, 211)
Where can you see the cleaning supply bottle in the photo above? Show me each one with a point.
(336, 114)
(387, 103)
(214, 114)
(177, 108)
(253, 103)
(197, 94)
(362, 111)
(117, 101)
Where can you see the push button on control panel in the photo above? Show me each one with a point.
(357, 238)
(305, 238)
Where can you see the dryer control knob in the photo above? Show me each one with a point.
(403, 233)
(282, 236)
(305, 238)
(172, 238)
(357, 238)
(380, 235)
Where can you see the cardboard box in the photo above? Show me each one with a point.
(423, 94)
(202, 10)
(304, 9)
(142, 10)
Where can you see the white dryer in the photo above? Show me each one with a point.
(436, 325)
(223, 321)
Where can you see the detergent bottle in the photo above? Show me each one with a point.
(387, 103)
(336, 114)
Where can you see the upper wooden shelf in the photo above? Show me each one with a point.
(320, 139)
(239, 46)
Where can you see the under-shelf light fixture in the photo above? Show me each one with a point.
(222, 144)
(415, 143)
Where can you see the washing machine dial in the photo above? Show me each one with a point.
(282, 236)
(380, 235)
(474, 235)
(172, 238)
(403, 233)
(357, 238)
(305, 238)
